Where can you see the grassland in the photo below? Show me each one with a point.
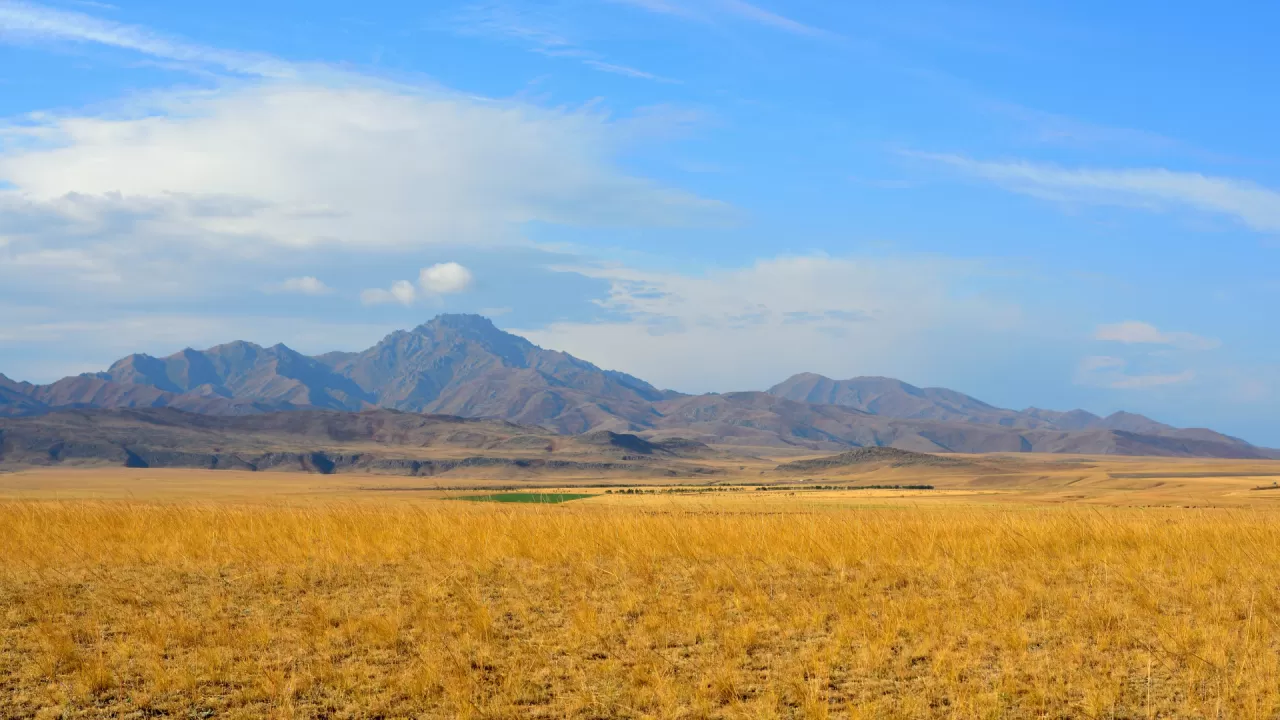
(298, 598)
(527, 498)
(991, 479)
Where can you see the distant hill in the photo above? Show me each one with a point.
(373, 441)
(893, 398)
(461, 365)
(275, 377)
(761, 419)
(16, 400)
(878, 456)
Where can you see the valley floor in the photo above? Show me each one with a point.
(969, 480)
(128, 593)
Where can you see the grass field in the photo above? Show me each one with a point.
(877, 603)
(527, 498)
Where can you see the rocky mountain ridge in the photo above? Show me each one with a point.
(462, 365)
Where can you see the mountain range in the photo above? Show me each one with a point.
(462, 365)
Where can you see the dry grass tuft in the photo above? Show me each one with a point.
(451, 610)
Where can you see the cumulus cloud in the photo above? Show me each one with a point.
(751, 327)
(303, 165)
(173, 199)
(445, 278)
(1249, 203)
(401, 291)
(1134, 332)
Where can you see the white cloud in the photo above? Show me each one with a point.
(401, 291)
(1134, 332)
(27, 20)
(301, 165)
(1110, 372)
(306, 285)
(1254, 205)
(753, 326)
(445, 278)
(172, 202)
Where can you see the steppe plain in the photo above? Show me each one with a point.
(1018, 586)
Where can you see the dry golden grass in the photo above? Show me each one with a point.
(1017, 479)
(448, 609)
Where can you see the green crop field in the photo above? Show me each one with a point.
(527, 497)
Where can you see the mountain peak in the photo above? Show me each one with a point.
(460, 321)
(804, 376)
(8, 382)
(1132, 422)
(233, 346)
(454, 328)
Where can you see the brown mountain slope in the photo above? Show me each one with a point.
(455, 364)
(462, 365)
(15, 399)
(874, 456)
(273, 376)
(89, 391)
(887, 397)
(381, 441)
(1069, 420)
(764, 420)
(894, 398)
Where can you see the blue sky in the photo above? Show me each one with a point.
(1067, 205)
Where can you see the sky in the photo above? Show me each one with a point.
(1058, 204)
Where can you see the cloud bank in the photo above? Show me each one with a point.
(751, 327)
(170, 196)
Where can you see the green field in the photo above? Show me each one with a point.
(527, 497)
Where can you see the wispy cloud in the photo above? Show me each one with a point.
(93, 4)
(707, 9)
(1055, 129)
(759, 15)
(1249, 203)
(1134, 332)
(306, 285)
(1109, 372)
(501, 20)
(661, 7)
(1138, 382)
(623, 70)
(22, 20)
